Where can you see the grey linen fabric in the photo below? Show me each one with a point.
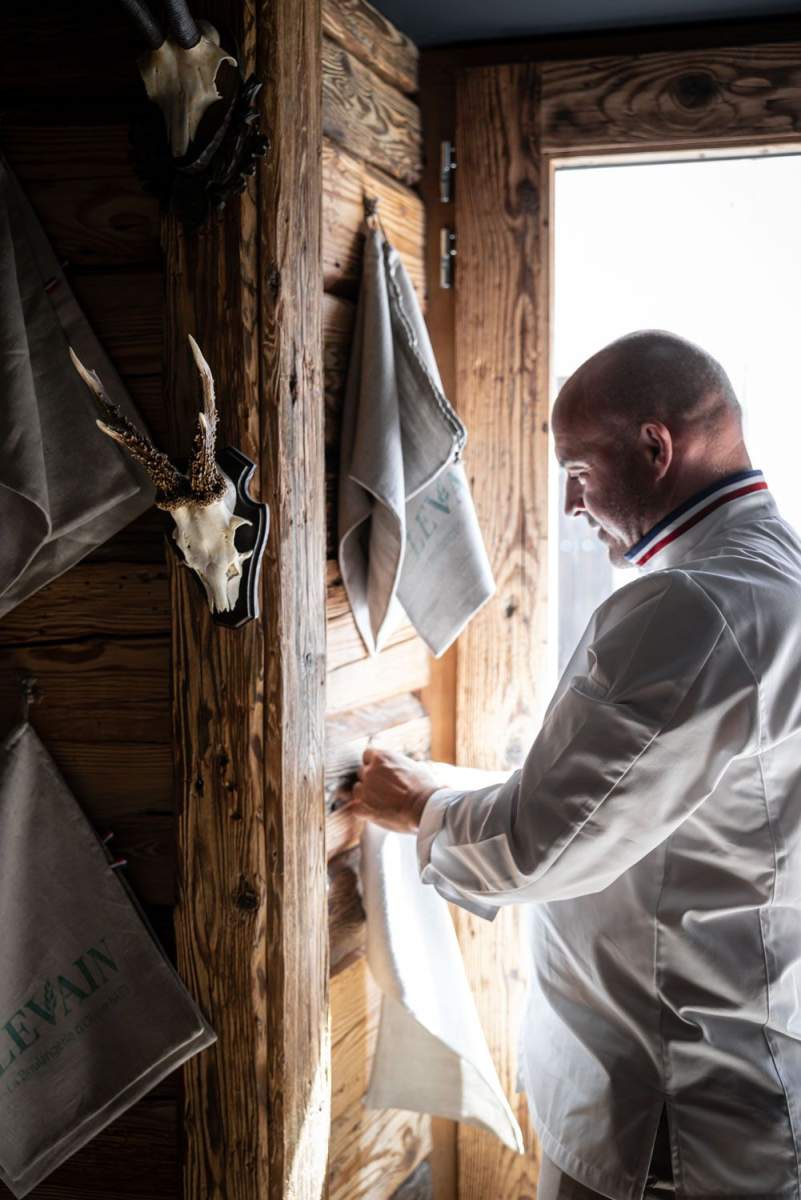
(407, 526)
(92, 1015)
(64, 486)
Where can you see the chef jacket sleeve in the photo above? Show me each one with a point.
(628, 752)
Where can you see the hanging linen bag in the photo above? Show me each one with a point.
(92, 1014)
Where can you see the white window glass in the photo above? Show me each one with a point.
(709, 249)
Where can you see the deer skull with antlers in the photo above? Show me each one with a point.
(180, 69)
(201, 502)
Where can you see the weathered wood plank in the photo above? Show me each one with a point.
(126, 312)
(93, 600)
(148, 844)
(374, 120)
(292, 466)
(111, 780)
(251, 921)
(402, 667)
(374, 40)
(101, 223)
(371, 1152)
(346, 928)
(502, 398)
(346, 183)
(338, 318)
(733, 95)
(92, 691)
(58, 142)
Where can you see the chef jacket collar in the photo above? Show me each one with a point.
(681, 530)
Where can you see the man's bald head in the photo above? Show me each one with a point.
(639, 428)
(653, 375)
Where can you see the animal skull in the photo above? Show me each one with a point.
(180, 70)
(201, 502)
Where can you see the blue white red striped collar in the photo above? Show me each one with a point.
(692, 511)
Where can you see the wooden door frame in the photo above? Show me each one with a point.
(722, 86)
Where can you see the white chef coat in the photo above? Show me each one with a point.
(654, 832)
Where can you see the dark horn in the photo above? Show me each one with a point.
(145, 22)
(181, 24)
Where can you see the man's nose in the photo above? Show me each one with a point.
(574, 499)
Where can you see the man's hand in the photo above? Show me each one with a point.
(391, 790)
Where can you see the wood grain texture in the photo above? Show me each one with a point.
(293, 472)
(690, 99)
(127, 314)
(503, 401)
(221, 918)
(338, 318)
(346, 927)
(402, 667)
(372, 1152)
(93, 690)
(346, 182)
(98, 599)
(374, 120)
(374, 40)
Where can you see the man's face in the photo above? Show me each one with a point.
(603, 483)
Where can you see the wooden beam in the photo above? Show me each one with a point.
(346, 182)
(292, 463)
(374, 40)
(673, 100)
(373, 119)
(251, 921)
(503, 400)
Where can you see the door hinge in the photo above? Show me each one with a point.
(447, 255)
(447, 166)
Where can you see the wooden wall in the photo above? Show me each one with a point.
(98, 638)
(372, 147)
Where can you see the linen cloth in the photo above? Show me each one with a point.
(92, 1015)
(431, 1054)
(407, 527)
(654, 835)
(64, 486)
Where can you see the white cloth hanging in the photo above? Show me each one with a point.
(431, 1054)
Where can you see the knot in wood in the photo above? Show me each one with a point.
(246, 898)
(696, 89)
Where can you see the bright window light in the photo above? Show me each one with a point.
(709, 249)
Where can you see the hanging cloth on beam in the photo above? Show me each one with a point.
(92, 1014)
(408, 531)
(64, 486)
(431, 1055)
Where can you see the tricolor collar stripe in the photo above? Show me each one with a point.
(694, 510)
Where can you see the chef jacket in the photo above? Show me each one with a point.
(654, 833)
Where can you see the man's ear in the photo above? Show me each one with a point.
(657, 442)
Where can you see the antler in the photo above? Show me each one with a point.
(145, 22)
(204, 482)
(205, 477)
(171, 485)
(182, 24)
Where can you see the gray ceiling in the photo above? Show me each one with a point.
(438, 22)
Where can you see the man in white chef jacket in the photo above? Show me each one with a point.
(654, 829)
